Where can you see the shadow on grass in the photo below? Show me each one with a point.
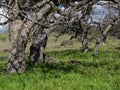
(69, 51)
(74, 65)
(118, 48)
(78, 65)
(3, 58)
(3, 64)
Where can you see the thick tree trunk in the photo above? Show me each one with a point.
(18, 40)
(19, 31)
(18, 35)
(39, 42)
(40, 38)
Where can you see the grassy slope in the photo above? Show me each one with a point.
(93, 73)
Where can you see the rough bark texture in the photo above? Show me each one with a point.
(18, 35)
(39, 42)
(101, 38)
(40, 38)
(18, 40)
(19, 32)
(85, 41)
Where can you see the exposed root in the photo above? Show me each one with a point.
(47, 58)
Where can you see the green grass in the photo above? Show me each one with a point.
(3, 36)
(90, 73)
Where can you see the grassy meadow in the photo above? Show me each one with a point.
(90, 73)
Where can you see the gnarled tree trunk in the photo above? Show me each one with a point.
(18, 40)
(18, 35)
(85, 41)
(39, 42)
(20, 29)
(101, 38)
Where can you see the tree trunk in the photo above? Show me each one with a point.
(19, 31)
(18, 40)
(85, 41)
(40, 38)
(18, 35)
(101, 38)
(39, 42)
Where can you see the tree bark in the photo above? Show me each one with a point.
(85, 41)
(37, 48)
(19, 32)
(40, 38)
(18, 35)
(18, 39)
(101, 38)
